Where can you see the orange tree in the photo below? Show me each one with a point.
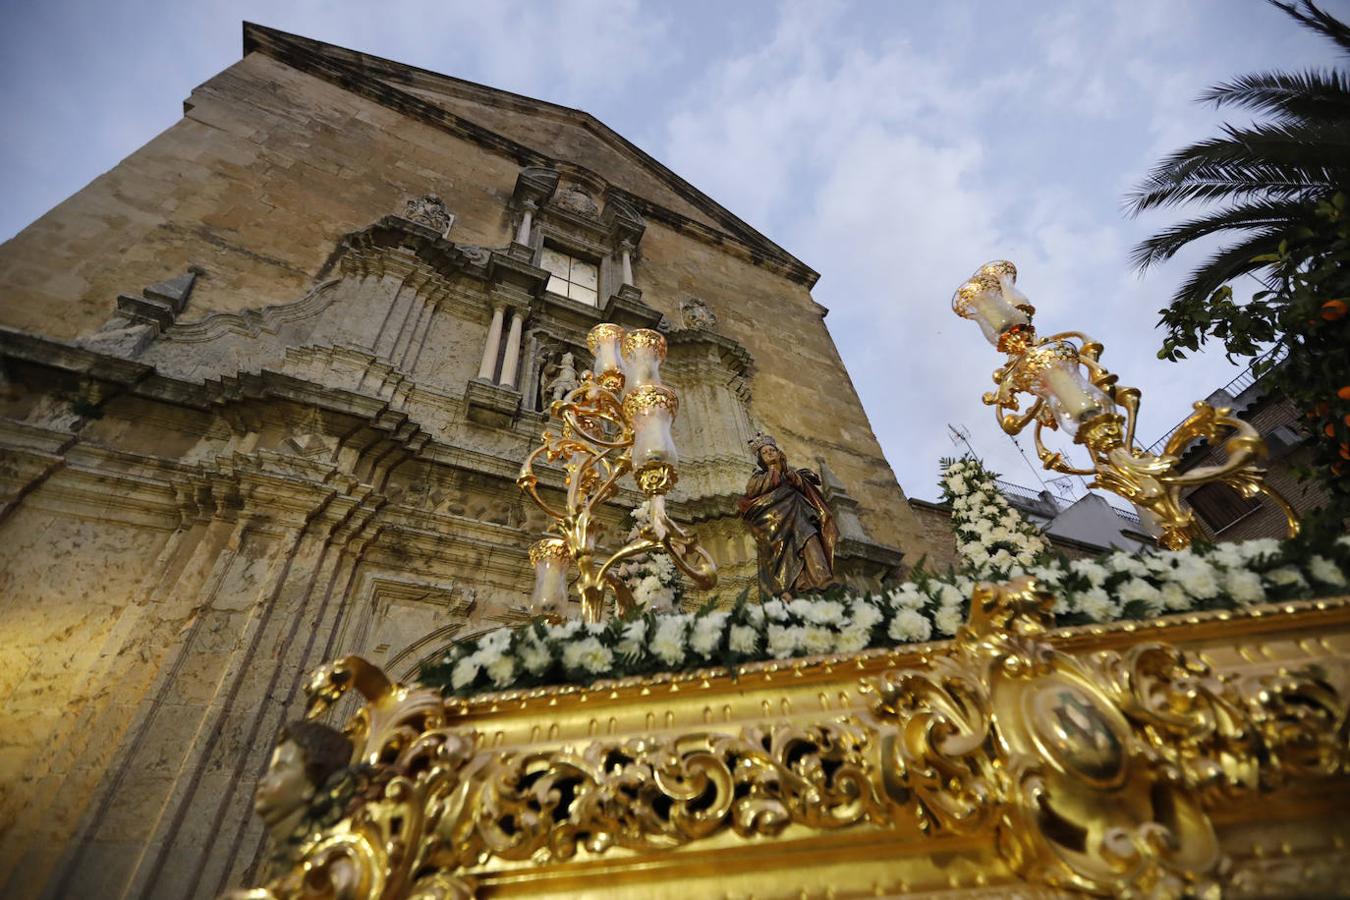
(1279, 186)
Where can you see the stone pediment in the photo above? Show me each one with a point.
(534, 132)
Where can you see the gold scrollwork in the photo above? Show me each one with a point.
(1095, 773)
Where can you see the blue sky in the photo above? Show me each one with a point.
(892, 146)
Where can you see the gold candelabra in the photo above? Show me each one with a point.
(617, 421)
(1071, 390)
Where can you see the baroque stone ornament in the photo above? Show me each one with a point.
(1094, 772)
(695, 313)
(429, 210)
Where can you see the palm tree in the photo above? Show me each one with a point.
(1269, 175)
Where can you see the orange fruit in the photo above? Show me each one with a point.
(1344, 393)
(1330, 430)
(1345, 451)
(1334, 309)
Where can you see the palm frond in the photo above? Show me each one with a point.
(1308, 14)
(1263, 215)
(1308, 96)
(1288, 159)
(1229, 263)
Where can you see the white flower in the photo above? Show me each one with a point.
(668, 642)
(825, 612)
(497, 640)
(564, 631)
(953, 594)
(1326, 571)
(817, 639)
(851, 640)
(907, 596)
(1138, 589)
(977, 556)
(1086, 568)
(1286, 576)
(744, 639)
(501, 671)
(956, 484)
(535, 656)
(1047, 575)
(755, 614)
(707, 633)
(863, 615)
(1174, 596)
(465, 671)
(948, 619)
(632, 638)
(589, 654)
(784, 641)
(1123, 562)
(1344, 540)
(775, 610)
(1260, 548)
(1197, 577)
(1244, 586)
(910, 625)
(1097, 605)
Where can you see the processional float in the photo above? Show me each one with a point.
(1014, 760)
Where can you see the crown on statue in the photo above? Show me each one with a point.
(760, 441)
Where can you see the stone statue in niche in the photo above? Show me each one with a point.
(310, 785)
(557, 380)
(794, 530)
(429, 210)
(695, 313)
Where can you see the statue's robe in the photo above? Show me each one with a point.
(794, 530)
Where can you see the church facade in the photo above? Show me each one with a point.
(265, 387)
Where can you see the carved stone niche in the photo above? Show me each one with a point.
(546, 370)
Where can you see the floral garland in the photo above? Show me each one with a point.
(655, 582)
(1118, 585)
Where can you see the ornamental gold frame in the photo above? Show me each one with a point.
(914, 769)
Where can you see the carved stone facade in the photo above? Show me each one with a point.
(300, 441)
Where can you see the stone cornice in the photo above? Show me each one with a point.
(357, 73)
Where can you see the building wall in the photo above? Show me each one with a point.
(1267, 521)
(295, 468)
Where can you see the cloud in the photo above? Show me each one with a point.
(896, 166)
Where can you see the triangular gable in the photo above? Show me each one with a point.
(521, 126)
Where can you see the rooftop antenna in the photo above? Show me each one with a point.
(960, 434)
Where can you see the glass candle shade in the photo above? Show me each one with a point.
(651, 409)
(982, 300)
(551, 562)
(1060, 382)
(603, 341)
(1006, 273)
(643, 352)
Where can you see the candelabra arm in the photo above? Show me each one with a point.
(528, 482)
(1053, 459)
(689, 556)
(1128, 397)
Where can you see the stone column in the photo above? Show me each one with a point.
(626, 259)
(512, 350)
(526, 221)
(494, 340)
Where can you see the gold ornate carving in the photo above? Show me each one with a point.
(1095, 773)
(595, 447)
(644, 337)
(548, 548)
(646, 397)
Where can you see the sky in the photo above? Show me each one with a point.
(891, 146)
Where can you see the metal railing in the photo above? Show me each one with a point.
(1244, 380)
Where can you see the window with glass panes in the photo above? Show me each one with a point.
(571, 277)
